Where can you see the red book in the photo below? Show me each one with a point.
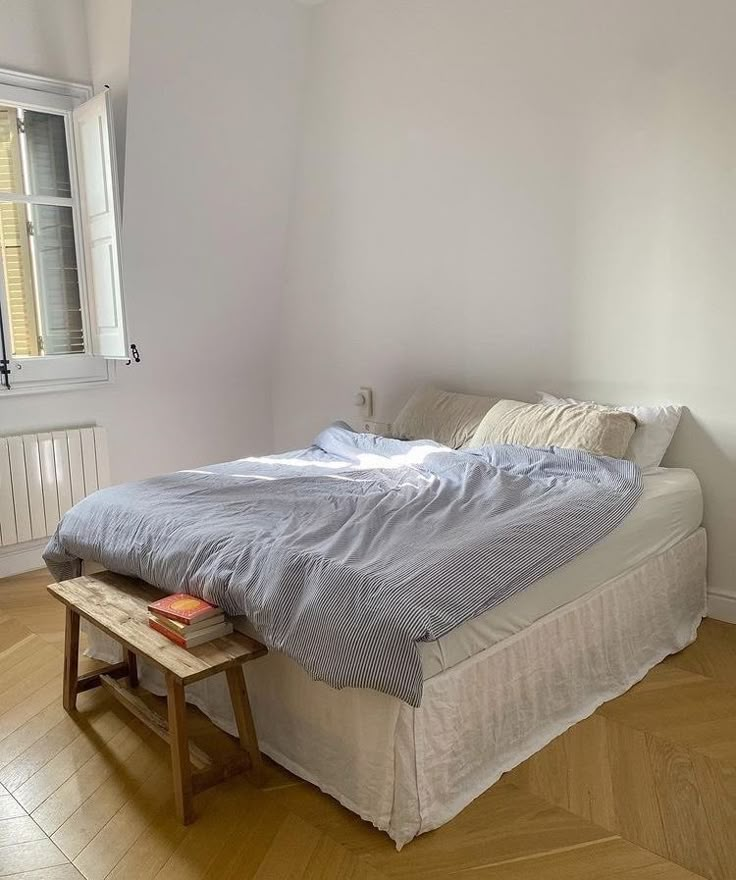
(184, 608)
(168, 633)
(198, 638)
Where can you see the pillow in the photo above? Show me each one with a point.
(656, 426)
(580, 426)
(443, 416)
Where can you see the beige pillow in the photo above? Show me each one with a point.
(443, 416)
(574, 426)
(655, 427)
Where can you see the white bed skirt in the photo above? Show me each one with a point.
(411, 770)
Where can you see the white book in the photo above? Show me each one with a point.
(206, 635)
(186, 629)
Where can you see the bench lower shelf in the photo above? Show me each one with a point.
(206, 769)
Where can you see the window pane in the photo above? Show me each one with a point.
(57, 283)
(48, 162)
(33, 154)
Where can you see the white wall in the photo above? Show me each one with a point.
(512, 196)
(212, 115)
(45, 38)
(108, 40)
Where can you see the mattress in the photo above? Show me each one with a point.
(670, 509)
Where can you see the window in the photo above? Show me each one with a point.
(61, 308)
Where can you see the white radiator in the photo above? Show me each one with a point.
(43, 475)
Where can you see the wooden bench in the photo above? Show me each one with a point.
(118, 606)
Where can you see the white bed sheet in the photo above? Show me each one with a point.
(670, 509)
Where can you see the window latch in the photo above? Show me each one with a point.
(134, 355)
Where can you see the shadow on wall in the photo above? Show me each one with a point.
(695, 446)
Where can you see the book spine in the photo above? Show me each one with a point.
(186, 629)
(165, 631)
(171, 625)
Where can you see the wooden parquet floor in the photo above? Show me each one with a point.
(645, 789)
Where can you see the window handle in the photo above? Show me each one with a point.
(134, 355)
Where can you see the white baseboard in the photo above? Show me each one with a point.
(722, 607)
(20, 558)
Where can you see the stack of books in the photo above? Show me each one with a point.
(187, 620)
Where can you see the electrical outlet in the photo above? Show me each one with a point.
(370, 426)
(364, 401)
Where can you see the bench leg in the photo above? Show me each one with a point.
(180, 765)
(132, 661)
(71, 660)
(244, 720)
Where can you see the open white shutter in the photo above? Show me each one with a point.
(101, 225)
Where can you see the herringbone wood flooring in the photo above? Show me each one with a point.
(645, 788)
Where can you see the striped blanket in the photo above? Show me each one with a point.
(344, 555)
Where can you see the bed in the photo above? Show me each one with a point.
(495, 688)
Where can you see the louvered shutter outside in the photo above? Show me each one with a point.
(14, 244)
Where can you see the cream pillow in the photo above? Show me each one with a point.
(602, 432)
(442, 416)
(655, 427)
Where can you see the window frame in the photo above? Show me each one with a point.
(63, 371)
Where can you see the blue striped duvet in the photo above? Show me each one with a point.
(344, 555)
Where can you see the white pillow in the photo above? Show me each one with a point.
(656, 426)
